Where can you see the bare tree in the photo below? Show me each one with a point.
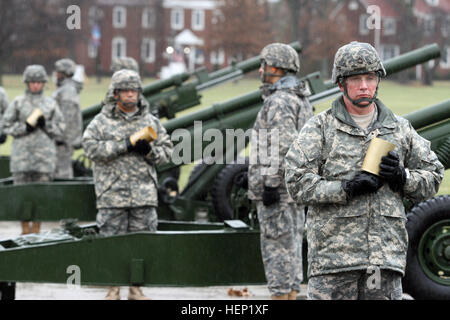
(242, 28)
(31, 31)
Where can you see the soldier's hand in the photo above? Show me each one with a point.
(29, 127)
(3, 138)
(41, 122)
(142, 147)
(270, 196)
(392, 171)
(362, 183)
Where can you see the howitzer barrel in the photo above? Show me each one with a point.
(393, 65)
(160, 85)
(431, 115)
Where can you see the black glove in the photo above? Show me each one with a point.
(362, 183)
(3, 138)
(142, 147)
(392, 171)
(41, 122)
(29, 127)
(241, 180)
(270, 196)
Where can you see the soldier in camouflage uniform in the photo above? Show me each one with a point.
(281, 220)
(125, 175)
(3, 105)
(130, 64)
(33, 151)
(357, 240)
(66, 95)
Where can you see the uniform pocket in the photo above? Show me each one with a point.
(275, 221)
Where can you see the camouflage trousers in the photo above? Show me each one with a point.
(281, 227)
(113, 221)
(30, 177)
(64, 168)
(370, 284)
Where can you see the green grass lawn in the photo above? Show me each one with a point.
(402, 99)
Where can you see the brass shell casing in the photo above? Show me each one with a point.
(147, 133)
(33, 117)
(378, 148)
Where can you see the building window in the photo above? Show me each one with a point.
(445, 27)
(198, 19)
(119, 47)
(389, 26)
(119, 17)
(445, 58)
(199, 57)
(217, 57)
(92, 50)
(148, 18)
(389, 51)
(148, 50)
(177, 19)
(428, 25)
(433, 3)
(363, 30)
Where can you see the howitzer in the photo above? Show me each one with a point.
(176, 93)
(228, 118)
(135, 266)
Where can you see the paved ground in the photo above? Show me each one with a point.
(40, 291)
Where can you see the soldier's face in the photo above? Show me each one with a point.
(361, 86)
(35, 87)
(128, 99)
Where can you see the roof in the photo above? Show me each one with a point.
(187, 37)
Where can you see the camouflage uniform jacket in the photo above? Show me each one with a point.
(368, 230)
(124, 179)
(69, 103)
(34, 151)
(285, 109)
(3, 105)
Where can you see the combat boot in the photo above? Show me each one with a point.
(281, 297)
(137, 294)
(293, 295)
(25, 227)
(35, 227)
(113, 293)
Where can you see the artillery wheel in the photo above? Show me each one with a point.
(230, 200)
(7, 290)
(427, 273)
(197, 168)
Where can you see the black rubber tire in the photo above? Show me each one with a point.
(420, 218)
(198, 167)
(222, 189)
(7, 290)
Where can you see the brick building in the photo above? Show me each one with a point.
(154, 32)
(431, 18)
